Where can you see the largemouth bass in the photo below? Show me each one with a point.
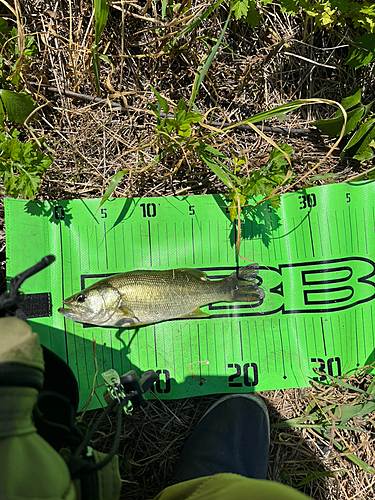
(142, 297)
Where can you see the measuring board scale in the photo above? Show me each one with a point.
(316, 267)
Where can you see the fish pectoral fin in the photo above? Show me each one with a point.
(129, 318)
(194, 273)
(197, 313)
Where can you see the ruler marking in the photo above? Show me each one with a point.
(338, 232)
(114, 246)
(290, 350)
(158, 235)
(70, 257)
(356, 227)
(274, 346)
(345, 232)
(62, 287)
(225, 357)
(132, 240)
(320, 236)
(363, 330)
(216, 361)
(329, 234)
(199, 354)
(333, 340)
(173, 353)
(265, 344)
(303, 238)
(97, 247)
(239, 327)
(356, 335)
(365, 229)
(307, 345)
(351, 229)
(156, 351)
(209, 240)
(257, 337)
(105, 245)
(192, 239)
(141, 243)
(323, 335)
(166, 239)
(311, 235)
(79, 250)
(149, 241)
(248, 336)
(282, 350)
(184, 238)
(231, 334)
(298, 346)
(182, 352)
(295, 237)
(124, 246)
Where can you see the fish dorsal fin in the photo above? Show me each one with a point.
(197, 313)
(194, 273)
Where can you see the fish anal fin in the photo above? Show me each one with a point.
(197, 313)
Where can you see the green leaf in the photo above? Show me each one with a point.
(101, 10)
(201, 73)
(214, 165)
(180, 112)
(17, 105)
(362, 52)
(2, 115)
(184, 130)
(333, 126)
(162, 102)
(367, 154)
(278, 111)
(351, 100)
(362, 138)
(193, 25)
(240, 8)
(253, 16)
(112, 186)
(324, 177)
(106, 59)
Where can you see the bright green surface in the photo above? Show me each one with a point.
(316, 263)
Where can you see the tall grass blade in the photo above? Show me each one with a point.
(101, 11)
(193, 25)
(202, 72)
(112, 186)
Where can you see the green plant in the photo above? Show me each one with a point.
(360, 127)
(326, 416)
(326, 13)
(101, 11)
(21, 164)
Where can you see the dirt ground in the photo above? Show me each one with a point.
(254, 70)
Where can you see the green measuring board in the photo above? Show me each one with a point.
(316, 256)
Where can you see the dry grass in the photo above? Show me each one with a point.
(154, 436)
(252, 72)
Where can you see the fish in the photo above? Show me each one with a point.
(140, 297)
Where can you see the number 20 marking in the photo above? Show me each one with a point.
(245, 370)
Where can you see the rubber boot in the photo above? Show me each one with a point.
(233, 436)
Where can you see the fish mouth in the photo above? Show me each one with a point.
(67, 311)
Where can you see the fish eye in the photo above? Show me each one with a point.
(81, 298)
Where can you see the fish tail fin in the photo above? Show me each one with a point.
(244, 285)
